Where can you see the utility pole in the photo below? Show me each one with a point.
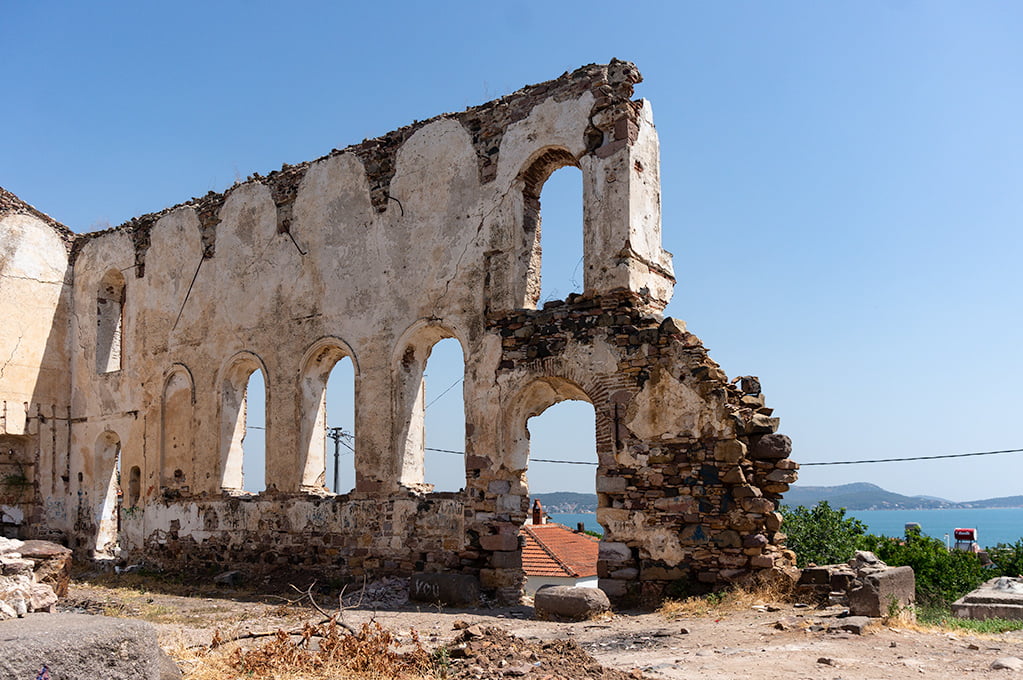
(336, 433)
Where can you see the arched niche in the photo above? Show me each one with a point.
(107, 484)
(177, 449)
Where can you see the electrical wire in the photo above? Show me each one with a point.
(449, 388)
(901, 460)
(972, 454)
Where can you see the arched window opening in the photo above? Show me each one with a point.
(443, 408)
(254, 440)
(109, 322)
(561, 235)
(107, 467)
(556, 266)
(327, 387)
(243, 426)
(340, 426)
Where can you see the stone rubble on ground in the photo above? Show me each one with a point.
(32, 576)
(868, 586)
(384, 593)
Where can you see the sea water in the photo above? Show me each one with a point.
(993, 525)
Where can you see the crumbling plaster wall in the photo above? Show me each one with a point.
(375, 252)
(35, 292)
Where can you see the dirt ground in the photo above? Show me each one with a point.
(760, 639)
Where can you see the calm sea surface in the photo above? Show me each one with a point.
(993, 525)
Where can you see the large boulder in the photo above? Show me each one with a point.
(83, 647)
(569, 602)
(449, 590)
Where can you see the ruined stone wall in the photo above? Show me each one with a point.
(375, 253)
(35, 413)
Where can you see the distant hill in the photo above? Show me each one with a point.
(567, 501)
(861, 496)
(865, 496)
(855, 496)
(1001, 502)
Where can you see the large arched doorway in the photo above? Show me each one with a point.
(553, 435)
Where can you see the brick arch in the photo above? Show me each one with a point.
(314, 372)
(537, 170)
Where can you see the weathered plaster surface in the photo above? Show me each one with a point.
(375, 253)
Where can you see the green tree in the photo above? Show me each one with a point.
(822, 534)
(1008, 557)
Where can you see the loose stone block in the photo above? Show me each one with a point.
(567, 602)
(879, 591)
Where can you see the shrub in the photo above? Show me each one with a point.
(822, 534)
(1008, 558)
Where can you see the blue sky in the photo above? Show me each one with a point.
(841, 181)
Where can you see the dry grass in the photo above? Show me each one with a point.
(319, 653)
(739, 598)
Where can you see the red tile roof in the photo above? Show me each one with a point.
(556, 550)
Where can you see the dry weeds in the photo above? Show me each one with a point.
(320, 652)
(740, 598)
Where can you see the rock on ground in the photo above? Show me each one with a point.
(567, 602)
(82, 647)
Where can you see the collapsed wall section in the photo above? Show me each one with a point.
(690, 466)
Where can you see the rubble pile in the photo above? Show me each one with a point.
(865, 584)
(34, 574)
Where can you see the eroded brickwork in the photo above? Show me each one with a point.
(374, 253)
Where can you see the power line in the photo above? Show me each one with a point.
(449, 388)
(900, 460)
(831, 462)
(531, 460)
